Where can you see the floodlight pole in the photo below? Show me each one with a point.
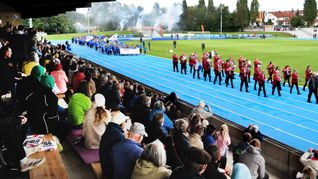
(221, 8)
(88, 20)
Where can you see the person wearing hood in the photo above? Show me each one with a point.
(254, 160)
(159, 107)
(151, 163)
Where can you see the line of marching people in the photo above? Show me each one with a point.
(226, 68)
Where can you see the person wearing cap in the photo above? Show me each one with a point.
(95, 122)
(79, 104)
(313, 86)
(125, 153)
(310, 159)
(203, 110)
(152, 163)
(114, 133)
(254, 160)
(60, 78)
(196, 162)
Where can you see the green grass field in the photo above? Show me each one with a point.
(281, 51)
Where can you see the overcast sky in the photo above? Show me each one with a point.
(267, 5)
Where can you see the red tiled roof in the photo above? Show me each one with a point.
(280, 14)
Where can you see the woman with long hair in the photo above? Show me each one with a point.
(95, 122)
(223, 140)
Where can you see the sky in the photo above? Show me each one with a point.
(267, 5)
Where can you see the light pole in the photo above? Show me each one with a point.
(221, 8)
(88, 20)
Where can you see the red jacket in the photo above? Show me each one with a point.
(229, 71)
(218, 66)
(307, 72)
(270, 69)
(256, 73)
(243, 73)
(277, 77)
(261, 78)
(174, 58)
(286, 71)
(206, 65)
(294, 78)
(182, 59)
(240, 61)
(191, 60)
(256, 63)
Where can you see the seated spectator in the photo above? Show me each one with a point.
(253, 159)
(171, 99)
(72, 70)
(223, 140)
(141, 110)
(114, 133)
(196, 161)
(195, 137)
(155, 130)
(28, 65)
(240, 148)
(152, 163)
(310, 159)
(208, 138)
(177, 143)
(60, 78)
(203, 110)
(212, 170)
(95, 122)
(254, 131)
(240, 170)
(79, 104)
(77, 78)
(125, 153)
(160, 108)
(115, 98)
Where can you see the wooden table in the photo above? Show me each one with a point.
(53, 166)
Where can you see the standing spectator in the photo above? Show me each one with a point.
(241, 147)
(312, 86)
(310, 159)
(203, 110)
(141, 110)
(125, 153)
(223, 140)
(60, 78)
(183, 62)
(175, 62)
(244, 77)
(276, 82)
(79, 104)
(270, 70)
(261, 83)
(196, 161)
(307, 73)
(95, 122)
(206, 63)
(254, 160)
(202, 46)
(294, 82)
(287, 73)
(152, 163)
(174, 44)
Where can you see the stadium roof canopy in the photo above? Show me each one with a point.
(46, 8)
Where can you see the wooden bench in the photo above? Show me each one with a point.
(97, 170)
(52, 168)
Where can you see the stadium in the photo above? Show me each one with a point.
(185, 89)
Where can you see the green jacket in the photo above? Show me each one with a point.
(77, 107)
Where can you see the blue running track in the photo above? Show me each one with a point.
(288, 119)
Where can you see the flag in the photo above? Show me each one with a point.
(202, 28)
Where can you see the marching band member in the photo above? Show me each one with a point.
(294, 82)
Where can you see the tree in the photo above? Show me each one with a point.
(297, 21)
(254, 11)
(210, 20)
(184, 19)
(242, 15)
(200, 15)
(310, 11)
